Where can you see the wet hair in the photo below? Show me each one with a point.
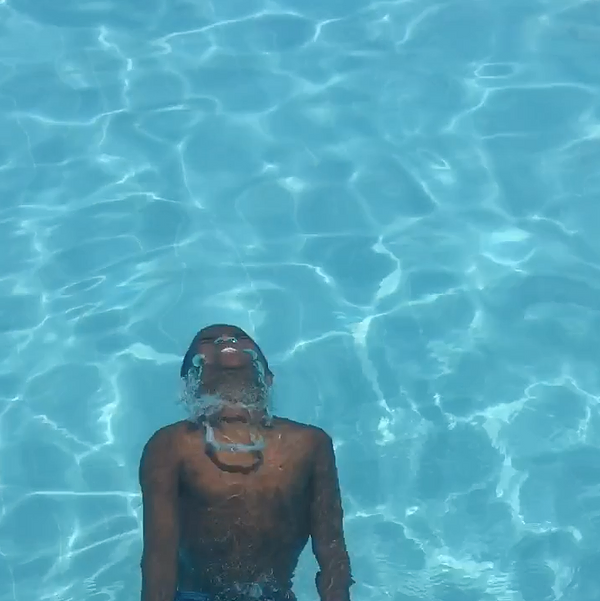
(187, 364)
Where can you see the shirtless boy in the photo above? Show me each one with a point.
(232, 495)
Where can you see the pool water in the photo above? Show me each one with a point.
(399, 198)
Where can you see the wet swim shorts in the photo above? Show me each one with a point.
(246, 592)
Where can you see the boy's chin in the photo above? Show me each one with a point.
(238, 412)
(248, 407)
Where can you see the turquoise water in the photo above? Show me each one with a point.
(400, 199)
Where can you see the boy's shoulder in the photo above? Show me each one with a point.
(311, 433)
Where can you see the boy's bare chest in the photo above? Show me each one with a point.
(280, 470)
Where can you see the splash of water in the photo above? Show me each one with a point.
(201, 408)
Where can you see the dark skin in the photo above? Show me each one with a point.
(214, 519)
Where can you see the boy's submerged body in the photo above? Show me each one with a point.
(231, 498)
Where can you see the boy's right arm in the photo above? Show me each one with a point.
(159, 480)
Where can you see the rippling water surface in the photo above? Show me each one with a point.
(399, 198)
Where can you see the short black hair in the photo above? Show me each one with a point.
(187, 364)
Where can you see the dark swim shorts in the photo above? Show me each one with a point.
(191, 596)
(247, 592)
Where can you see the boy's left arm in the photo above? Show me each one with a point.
(326, 518)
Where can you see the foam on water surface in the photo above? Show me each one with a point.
(399, 199)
